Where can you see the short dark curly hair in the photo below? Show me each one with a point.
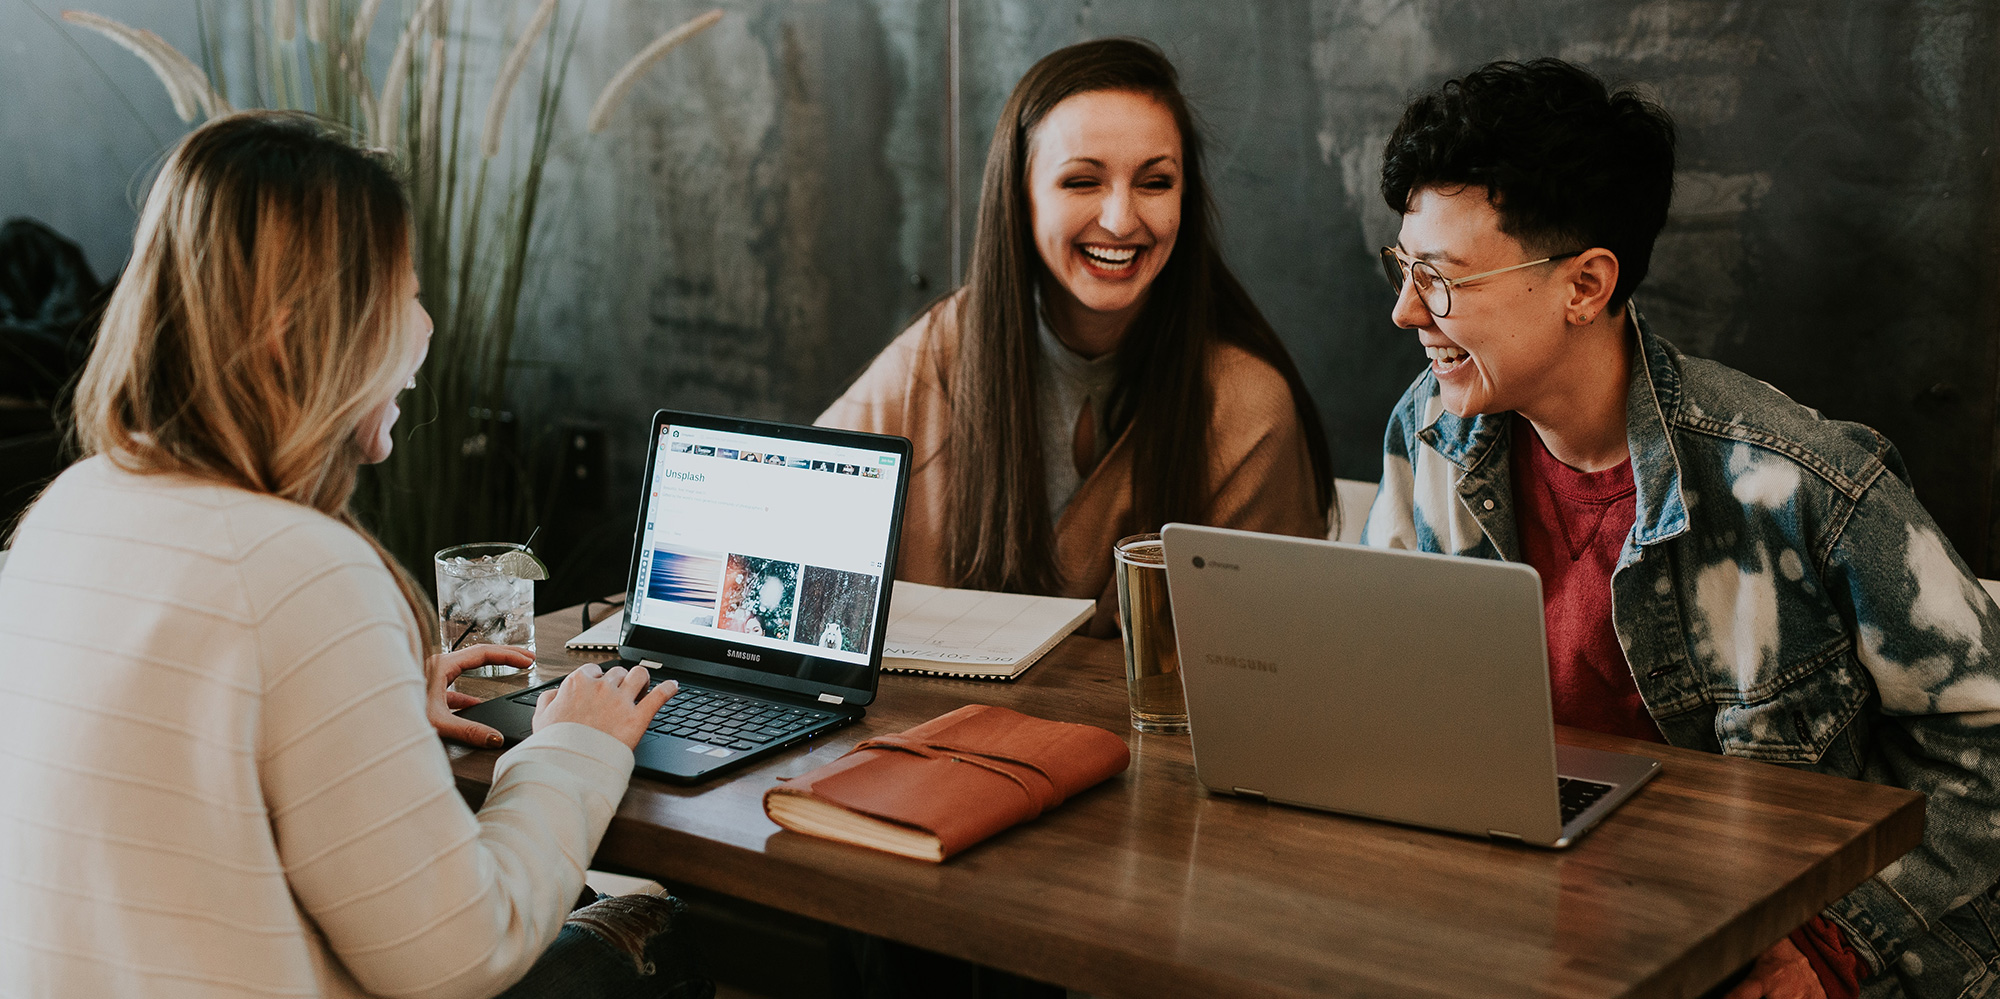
(1568, 164)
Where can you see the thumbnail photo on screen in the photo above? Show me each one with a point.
(836, 609)
(686, 584)
(758, 595)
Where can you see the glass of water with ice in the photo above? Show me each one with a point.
(486, 595)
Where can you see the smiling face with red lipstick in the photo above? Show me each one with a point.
(1104, 185)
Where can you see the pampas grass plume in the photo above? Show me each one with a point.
(364, 22)
(317, 15)
(510, 71)
(186, 85)
(390, 105)
(614, 92)
(427, 110)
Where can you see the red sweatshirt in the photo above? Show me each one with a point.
(1572, 526)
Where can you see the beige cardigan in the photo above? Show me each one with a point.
(218, 776)
(1259, 472)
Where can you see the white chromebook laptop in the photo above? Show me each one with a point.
(1392, 685)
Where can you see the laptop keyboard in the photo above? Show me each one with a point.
(1578, 795)
(725, 720)
(732, 722)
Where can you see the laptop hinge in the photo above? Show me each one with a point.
(1503, 834)
(1247, 793)
(832, 698)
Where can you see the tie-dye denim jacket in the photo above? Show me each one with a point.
(1782, 597)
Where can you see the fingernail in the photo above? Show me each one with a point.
(494, 739)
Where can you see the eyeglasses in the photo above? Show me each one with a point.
(1434, 289)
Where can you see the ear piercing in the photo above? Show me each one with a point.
(412, 383)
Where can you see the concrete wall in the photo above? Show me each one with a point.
(82, 123)
(774, 200)
(1834, 224)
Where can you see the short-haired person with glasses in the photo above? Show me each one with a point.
(1722, 568)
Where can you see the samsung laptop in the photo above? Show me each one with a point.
(760, 580)
(1392, 685)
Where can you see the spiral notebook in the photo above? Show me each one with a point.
(599, 637)
(940, 631)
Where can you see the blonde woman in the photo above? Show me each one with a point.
(218, 773)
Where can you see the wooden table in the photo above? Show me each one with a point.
(1148, 886)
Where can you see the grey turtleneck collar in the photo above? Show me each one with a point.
(1065, 382)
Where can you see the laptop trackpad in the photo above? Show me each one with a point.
(678, 757)
(515, 720)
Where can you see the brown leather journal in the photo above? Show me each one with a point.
(942, 786)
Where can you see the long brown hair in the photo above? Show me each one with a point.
(1002, 536)
(259, 320)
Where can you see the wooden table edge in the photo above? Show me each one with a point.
(636, 846)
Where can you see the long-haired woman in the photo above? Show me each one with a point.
(1101, 372)
(220, 771)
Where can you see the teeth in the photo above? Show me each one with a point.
(1110, 256)
(1448, 355)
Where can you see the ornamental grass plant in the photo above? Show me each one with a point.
(459, 471)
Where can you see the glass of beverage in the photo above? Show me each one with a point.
(1152, 660)
(483, 597)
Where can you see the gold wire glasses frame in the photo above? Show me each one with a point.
(1434, 288)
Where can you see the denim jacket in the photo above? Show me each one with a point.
(1782, 596)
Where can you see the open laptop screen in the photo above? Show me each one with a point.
(767, 553)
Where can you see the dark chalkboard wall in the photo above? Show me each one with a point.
(776, 198)
(1834, 219)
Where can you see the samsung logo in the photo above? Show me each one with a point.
(740, 654)
(1242, 662)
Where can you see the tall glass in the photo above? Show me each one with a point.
(1152, 660)
(480, 602)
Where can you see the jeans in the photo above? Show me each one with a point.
(619, 947)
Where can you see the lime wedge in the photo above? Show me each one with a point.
(523, 565)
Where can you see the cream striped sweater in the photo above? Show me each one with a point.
(216, 777)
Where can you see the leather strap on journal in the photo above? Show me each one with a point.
(967, 774)
(1034, 782)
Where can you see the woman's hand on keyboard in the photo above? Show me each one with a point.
(441, 700)
(610, 701)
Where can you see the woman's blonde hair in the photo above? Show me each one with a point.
(260, 319)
